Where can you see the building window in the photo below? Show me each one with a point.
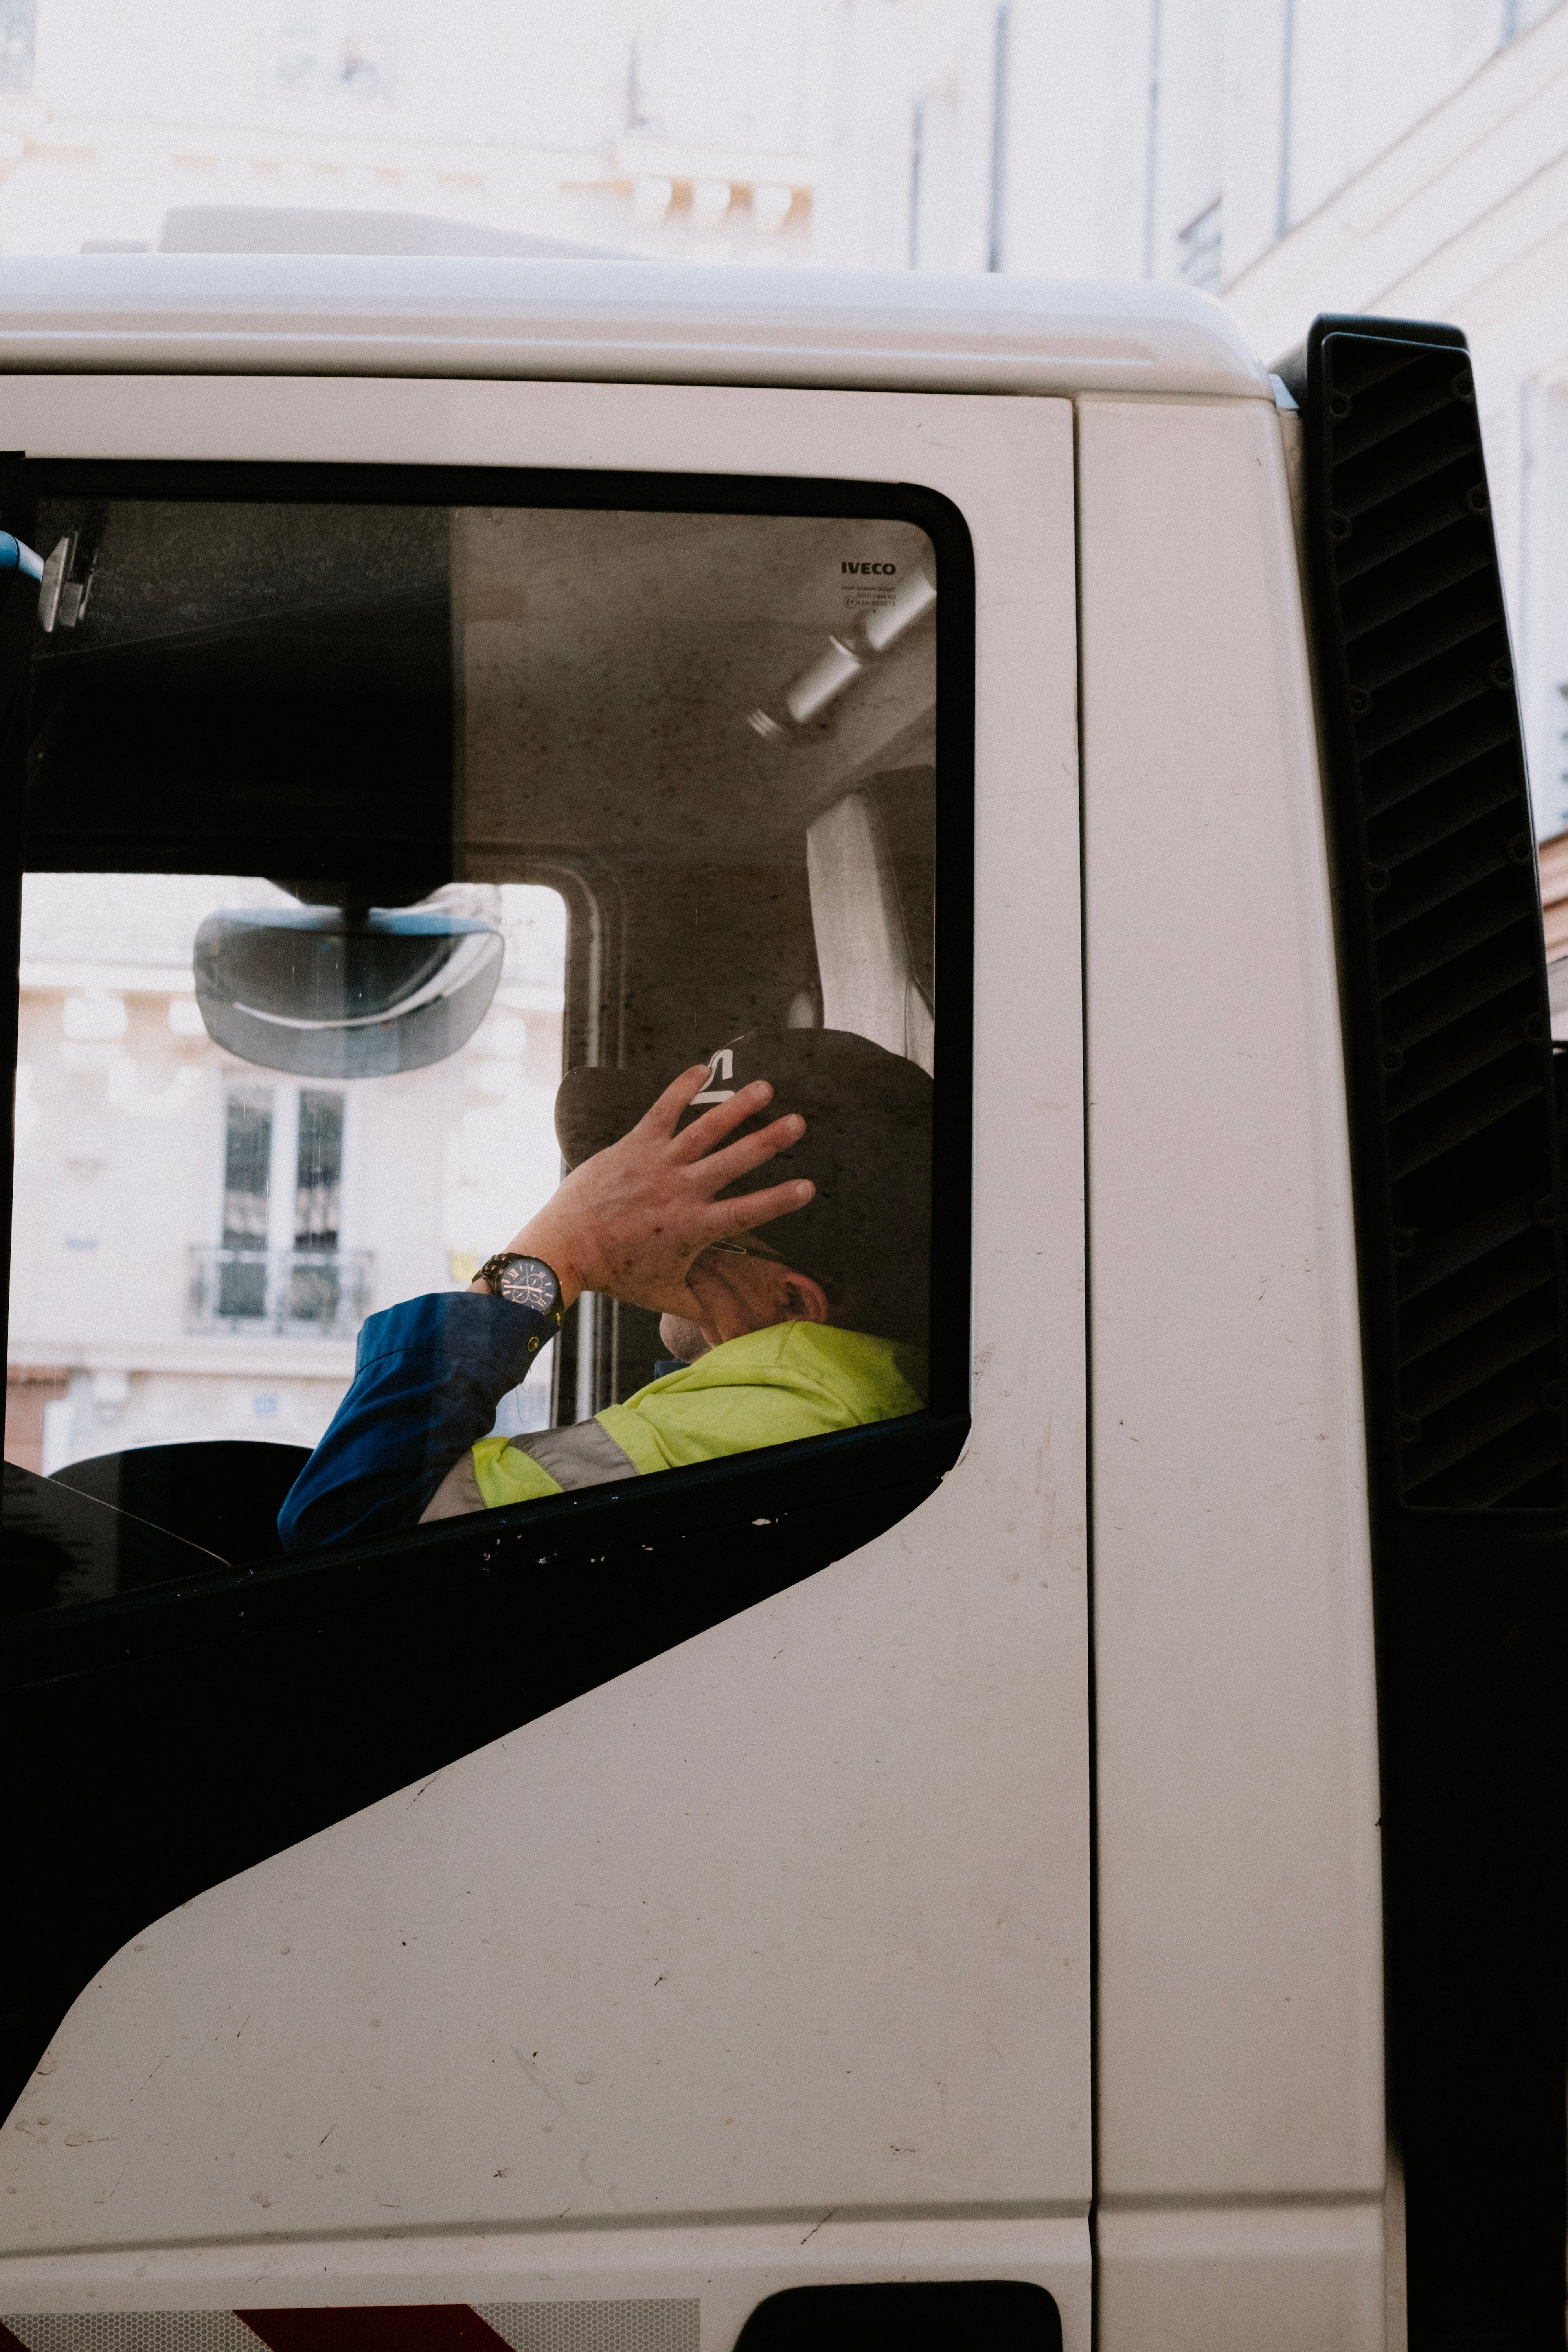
(1200, 244)
(1518, 15)
(319, 1172)
(314, 1275)
(279, 1264)
(247, 1184)
(337, 49)
(18, 27)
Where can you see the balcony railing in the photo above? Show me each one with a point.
(292, 1294)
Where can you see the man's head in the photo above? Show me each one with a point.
(859, 1254)
(739, 1292)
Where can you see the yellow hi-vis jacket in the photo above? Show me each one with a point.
(794, 1380)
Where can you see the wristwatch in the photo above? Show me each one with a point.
(523, 1282)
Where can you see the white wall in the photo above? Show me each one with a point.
(563, 122)
(1077, 110)
(1463, 216)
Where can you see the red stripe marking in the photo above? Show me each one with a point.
(374, 2327)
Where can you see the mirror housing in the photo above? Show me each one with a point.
(345, 992)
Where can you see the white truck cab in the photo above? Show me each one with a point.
(1078, 1863)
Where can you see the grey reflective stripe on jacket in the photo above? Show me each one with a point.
(584, 1455)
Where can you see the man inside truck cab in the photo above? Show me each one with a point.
(661, 1209)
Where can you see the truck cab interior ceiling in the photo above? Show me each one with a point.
(246, 684)
(705, 1648)
(888, 611)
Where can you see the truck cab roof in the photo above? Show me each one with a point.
(615, 321)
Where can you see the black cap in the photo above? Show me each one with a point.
(865, 1238)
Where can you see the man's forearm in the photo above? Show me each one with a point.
(426, 1383)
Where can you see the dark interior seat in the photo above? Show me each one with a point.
(224, 1493)
(59, 1548)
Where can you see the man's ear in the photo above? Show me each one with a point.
(806, 1300)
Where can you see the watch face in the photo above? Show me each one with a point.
(528, 1282)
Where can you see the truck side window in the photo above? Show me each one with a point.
(386, 862)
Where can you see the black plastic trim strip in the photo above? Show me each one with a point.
(907, 2316)
(1459, 1211)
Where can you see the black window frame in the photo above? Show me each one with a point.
(401, 1655)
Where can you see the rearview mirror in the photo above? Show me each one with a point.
(336, 992)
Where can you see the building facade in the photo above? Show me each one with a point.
(1406, 158)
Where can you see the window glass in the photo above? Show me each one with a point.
(181, 1252)
(387, 865)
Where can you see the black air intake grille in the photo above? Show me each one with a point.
(1441, 909)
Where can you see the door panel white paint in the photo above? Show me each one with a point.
(727, 2269)
(795, 1917)
(1295, 2278)
(1240, 2021)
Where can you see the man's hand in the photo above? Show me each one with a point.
(631, 1220)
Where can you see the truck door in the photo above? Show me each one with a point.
(578, 1922)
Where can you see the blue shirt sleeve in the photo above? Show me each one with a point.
(428, 1378)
